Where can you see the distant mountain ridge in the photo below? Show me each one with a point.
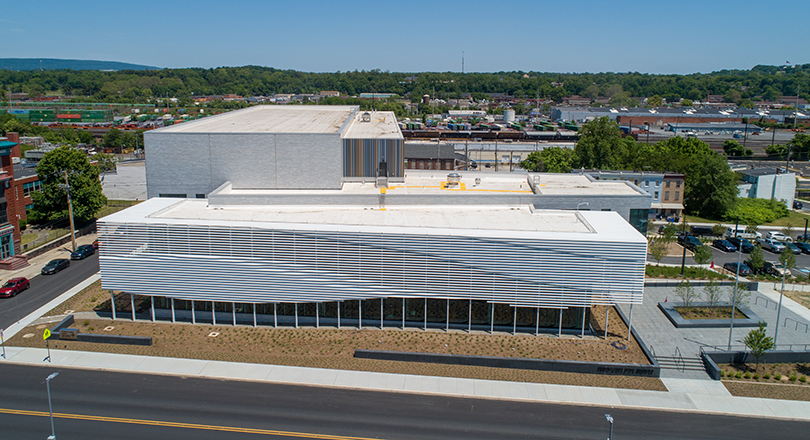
(58, 64)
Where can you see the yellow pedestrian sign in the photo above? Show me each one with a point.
(46, 335)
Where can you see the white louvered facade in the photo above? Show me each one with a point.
(200, 256)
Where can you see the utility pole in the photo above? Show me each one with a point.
(66, 187)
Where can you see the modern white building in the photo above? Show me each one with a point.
(768, 183)
(367, 243)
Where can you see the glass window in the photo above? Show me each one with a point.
(667, 182)
(677, 184)
(666, 196)
(30, 187)
(638, 219)
(656, 195)
(677, 195)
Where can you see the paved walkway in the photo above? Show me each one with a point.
(684, 395)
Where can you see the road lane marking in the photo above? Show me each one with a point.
(179, 425)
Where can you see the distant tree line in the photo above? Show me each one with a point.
(131, 86)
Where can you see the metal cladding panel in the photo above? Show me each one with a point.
(246, 264)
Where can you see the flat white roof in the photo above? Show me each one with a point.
(381, 125)
(489, 221)
(575, 184)
(271, 119)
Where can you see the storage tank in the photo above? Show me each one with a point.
(508, 116)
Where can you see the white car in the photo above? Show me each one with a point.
(778, 236)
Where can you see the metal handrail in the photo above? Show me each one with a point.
(768, 301)
(806, 327)
(679, 357)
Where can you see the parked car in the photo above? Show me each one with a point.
(55, 266)
(732, 267)
(82, 252)
(779, 268)
(805, 247)
(724, 245)
(778, 236)
(689, 241)
(771, 245)
(738, 242)
(797, 204)
(793, 248)
(14, 286)
(702, 230)
(802, 237)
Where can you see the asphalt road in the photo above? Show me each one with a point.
(45, 288)
(722, 257)
(99, 404)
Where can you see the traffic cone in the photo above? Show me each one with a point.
(666, 298)
(712, 264)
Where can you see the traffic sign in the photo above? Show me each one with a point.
(46, 334)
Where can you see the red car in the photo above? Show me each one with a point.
(14, 286)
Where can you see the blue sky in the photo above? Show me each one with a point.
(413, 36)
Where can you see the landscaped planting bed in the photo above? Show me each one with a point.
(773, 381)
(328, 347)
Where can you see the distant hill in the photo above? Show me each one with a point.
(57, 64)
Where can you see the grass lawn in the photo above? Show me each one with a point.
(793, 218)
(27, 238)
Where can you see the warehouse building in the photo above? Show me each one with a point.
(364, 243)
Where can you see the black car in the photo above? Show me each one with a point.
(55, 266)
(766, 269)
(737, 242)
(724, 245)
(702, 231)
(797, 204)
(689, 241)
(805, 247)
(83, 252)
(732, 267)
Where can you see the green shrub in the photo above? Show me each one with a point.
(792, 377)
(23, 224)
(777, 376)
(766, 376)
(722, 373)
(738, 375)
(757, 211)
(756, 376)
(747, 375)
(803, 378)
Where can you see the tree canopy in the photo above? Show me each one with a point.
(51, 202)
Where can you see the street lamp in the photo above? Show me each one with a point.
(736, 279)
(610, 419)
(583, 203)
(50, 408)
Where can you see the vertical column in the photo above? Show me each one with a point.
(403, 313)
(153, 308)
(233, 313)
(193, 313)
(630, 323)
(360, 314)
(607, 313)
(514, 313)
(492, 315)
(447, 328)
(317, 315)
(275, 315)
(425, 327)
(213, 313)
(382, 310)
(112, 303)
(537, 322)
(132, 305)
(254, 314)
(584, 309)
(173, 320)
(560, 332)
(296, 314)
(469, 317)
(338, 314)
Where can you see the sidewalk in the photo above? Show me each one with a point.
(685, 395)
(36, 263)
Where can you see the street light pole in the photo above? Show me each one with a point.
(50, 407)
(736, 280)
(610, 420)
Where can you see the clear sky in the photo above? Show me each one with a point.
(650, 36)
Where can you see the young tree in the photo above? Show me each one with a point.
(756, 259)
(743, 295)
(657, 250)
(758, 342)
(686, 293)
(788, 230)
(85, 189)
(787, 258)
(712, 293)
(669, 232)
(718, 229)
(702, 255)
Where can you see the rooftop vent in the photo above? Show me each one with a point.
(366, 117)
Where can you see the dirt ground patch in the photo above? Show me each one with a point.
(767, 390)
(802, 298)
(718, 312)
(328, 347)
